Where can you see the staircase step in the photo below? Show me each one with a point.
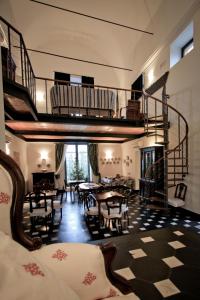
(175, 179)
(155, 117)
(160, 192)
(171, 185)
(156, 199)
(177, 166)
(172, 158)
(181, 173)
(155, 134)
(154, 127)
(153, 206)
(161, 143)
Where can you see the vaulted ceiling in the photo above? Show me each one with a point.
(53, 30)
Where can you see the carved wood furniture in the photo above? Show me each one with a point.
(152, 176)
(58, 271)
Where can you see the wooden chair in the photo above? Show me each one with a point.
(57, 203)
(113, 212)
(91, 209)
(39, 208)
(179, 196)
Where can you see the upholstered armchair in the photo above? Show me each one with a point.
(59, 271)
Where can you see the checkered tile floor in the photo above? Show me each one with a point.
(160, 264)
(74, 228)
(158, 252)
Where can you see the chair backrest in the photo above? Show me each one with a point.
(12, 191)
(114, 204)
(180, 191)
(35, 198)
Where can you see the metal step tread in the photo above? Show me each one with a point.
(153, 206)
(174, 158)
(180, 173)
(178, 166)
(175, 179)
(156, 199)
(160, 192)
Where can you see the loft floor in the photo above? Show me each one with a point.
(23, 120)
(76, 129)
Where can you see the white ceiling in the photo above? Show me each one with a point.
(51, 30)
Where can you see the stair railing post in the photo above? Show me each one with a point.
(166, 143)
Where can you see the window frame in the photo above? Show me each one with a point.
(191, 41)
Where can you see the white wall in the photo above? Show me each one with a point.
(183, 86)
(110, 167)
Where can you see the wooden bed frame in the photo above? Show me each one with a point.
(18, 234)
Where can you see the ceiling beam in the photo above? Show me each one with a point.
(73, 141)
(78, 134)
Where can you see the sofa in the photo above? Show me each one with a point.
(30, 270)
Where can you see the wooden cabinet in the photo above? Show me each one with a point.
(152, 178)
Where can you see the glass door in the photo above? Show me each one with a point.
(77, 164)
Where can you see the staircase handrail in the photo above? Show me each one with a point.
(180, 143)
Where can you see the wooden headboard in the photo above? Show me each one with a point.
(16, 210)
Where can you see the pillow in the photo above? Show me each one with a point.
(81, 266)
(23, 277)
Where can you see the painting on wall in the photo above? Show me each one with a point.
(16, 157)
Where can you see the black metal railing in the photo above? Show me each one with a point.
(16, 64)
(60, 97)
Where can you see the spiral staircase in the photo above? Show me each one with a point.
(174, 139)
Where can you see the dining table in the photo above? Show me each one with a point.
(74, 183)
(84, 189)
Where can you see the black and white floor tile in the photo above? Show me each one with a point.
(160, 264)
(158, 252)
(75, 228)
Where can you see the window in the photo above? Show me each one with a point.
(77, 164)
(75, 80)
(187, 48)
(182, 45)
(137, 85)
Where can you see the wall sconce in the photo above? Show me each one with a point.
(44, 165)
(39, 96)
(108, 154)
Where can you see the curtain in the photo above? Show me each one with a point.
(60, 164)
(93, 159)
